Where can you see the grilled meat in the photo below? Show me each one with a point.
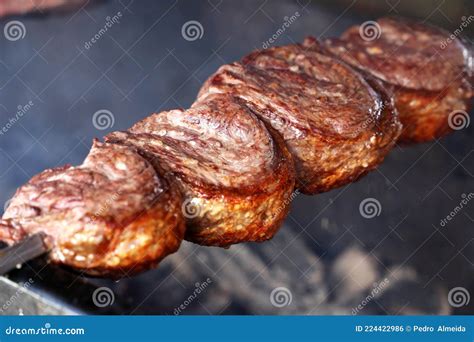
(236, 175)
(336, 126)
(111, 216)
(287, 116)
(425, 69)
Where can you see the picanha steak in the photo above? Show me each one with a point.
(428, 73)
(311, 117)
(111, 216)
(336, 126)
(236, 175)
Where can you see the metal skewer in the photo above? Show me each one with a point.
(23, 251)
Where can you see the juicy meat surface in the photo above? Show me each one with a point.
(336, 126)
(236, 176)
(112, 215)
(426, 72)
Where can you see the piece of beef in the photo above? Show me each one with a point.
(336, 126)
(110, 216)
(235, 174)
(426, 70)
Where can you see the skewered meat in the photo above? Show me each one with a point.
(336, 126)
(236, 176)
(425, 70)
(111, 216)
(229, 164)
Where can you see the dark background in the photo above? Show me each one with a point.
(327, 255)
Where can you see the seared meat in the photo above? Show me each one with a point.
(287, 116)
(236, 176)
(424, 69)
(112, 215)
(336, 126)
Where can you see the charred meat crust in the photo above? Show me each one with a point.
(235, 175)
(110, 216)
(335, 125)
(427, 75)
